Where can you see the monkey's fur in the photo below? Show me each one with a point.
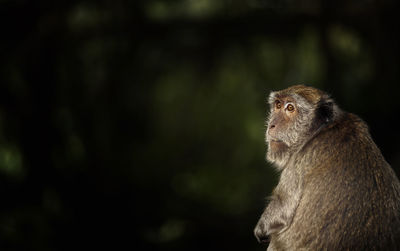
(336, 191)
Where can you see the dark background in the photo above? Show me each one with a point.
(139, 125)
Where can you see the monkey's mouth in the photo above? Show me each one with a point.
(271, 140)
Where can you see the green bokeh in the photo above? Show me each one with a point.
(140, 124)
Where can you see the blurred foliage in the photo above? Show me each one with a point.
(140, 124)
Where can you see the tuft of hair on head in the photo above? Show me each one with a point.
(312, 95)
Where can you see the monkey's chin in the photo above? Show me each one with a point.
(277, 153)
(277, 146)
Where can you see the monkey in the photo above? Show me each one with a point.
(335, 191)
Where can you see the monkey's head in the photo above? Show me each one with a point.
(296, 114)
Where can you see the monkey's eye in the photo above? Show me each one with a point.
(290, 107)
(278, 104)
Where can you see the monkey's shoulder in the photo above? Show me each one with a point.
(344, 142)
(347, 126)
(348, 130)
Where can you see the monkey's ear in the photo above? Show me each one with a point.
(325, 111)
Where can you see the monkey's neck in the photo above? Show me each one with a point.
(314, 134)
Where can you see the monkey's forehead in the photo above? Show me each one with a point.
(282, 97)
(298, 92)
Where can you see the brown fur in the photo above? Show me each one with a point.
(336, 191)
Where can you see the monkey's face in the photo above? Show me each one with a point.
(283, 114)
(288, 126)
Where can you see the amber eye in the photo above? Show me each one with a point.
(290, 107)
(278, 104)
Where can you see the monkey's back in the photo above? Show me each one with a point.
(351, 196)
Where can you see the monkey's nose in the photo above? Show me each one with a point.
(271, 126)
